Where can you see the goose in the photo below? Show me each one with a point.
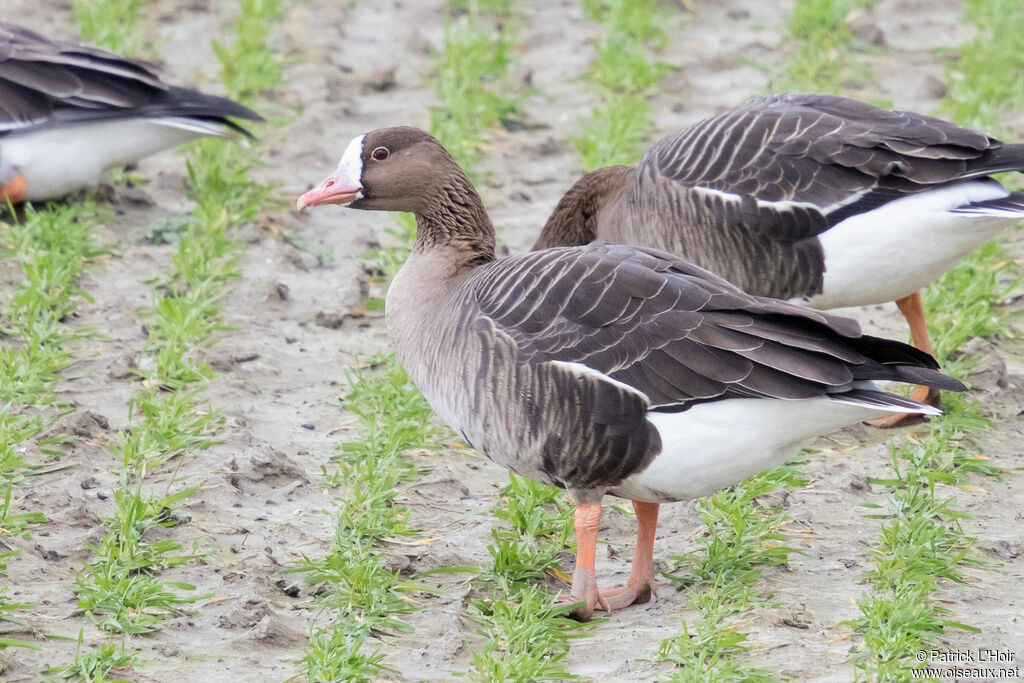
(816, 198)
(605, 369)
(69, 112)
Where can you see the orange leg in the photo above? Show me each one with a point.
(15, 191)
(584, 583)
(640, 585)
(913, 310)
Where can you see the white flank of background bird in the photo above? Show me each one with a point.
(68, 113)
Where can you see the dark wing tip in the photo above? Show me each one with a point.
(210, 105)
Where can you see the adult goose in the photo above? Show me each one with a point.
(605, 368)
(69, 112)
(817, 198)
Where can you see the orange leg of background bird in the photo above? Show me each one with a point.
(640, 585)
(15, 191)
(912, 309)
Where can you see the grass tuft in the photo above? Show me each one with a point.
(740, 541)
(921, 546)
(113, 24)
(361, 596)
(539, 524)
(825, 59)
(472, 59)
(95, 665)
(118, 589)
(624, 74)
(248, 67)
(527, 636)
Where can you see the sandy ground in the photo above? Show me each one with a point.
(361, 67)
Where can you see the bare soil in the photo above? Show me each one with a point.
(299, 326)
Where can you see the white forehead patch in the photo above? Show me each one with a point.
(350, 168)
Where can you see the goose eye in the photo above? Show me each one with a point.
(380, 154)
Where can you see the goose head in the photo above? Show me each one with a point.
(390, 169)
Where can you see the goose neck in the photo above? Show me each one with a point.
(457, 223)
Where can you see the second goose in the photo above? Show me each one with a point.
(818, 198)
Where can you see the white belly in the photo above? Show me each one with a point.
(63, 159)
(717, 444)
(895, 250)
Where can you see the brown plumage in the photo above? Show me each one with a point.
(584, 367)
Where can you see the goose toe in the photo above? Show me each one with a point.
(584, 592)
(620, 597)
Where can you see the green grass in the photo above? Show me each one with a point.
(358, 595)
(920, 543)
(922, 548)
(740, 541)
(337, 654)
(120, 588)
(983, 75)
(248, 67)
(615, 133)
(966, 302)
(824, 59)
(52, 248)
(921, 540)
(527, 636)
(112, 24)
(624, 73)
(171, 424)
(95, 665)
(537, 526)
(470, 69)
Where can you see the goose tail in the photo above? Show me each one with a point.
(876, 399)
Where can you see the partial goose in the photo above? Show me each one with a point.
(605, 368)
(817, 198)
(68, 113)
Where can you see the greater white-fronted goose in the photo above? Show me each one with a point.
(817, 198)
(69, 112)
(605, 368)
